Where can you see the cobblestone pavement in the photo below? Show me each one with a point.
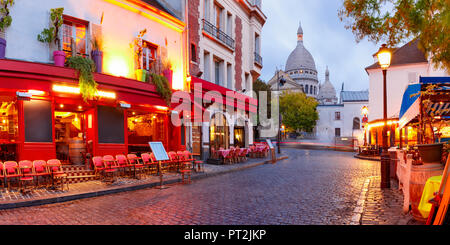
(311, 187)
(384, 206)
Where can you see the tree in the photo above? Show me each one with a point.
(261, 86)
(397, 21)
(299, 111)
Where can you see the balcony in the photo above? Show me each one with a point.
(218, 34)
(258, 59)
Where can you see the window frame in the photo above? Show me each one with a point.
(74, 22)
(153, 50)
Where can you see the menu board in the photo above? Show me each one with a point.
(269, 142)
(38, 121)
(159, 151)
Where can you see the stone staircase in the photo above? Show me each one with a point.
(78, 174)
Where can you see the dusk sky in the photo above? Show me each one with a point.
(325, 37)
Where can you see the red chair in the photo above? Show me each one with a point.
(174, 162)
(229, 157)
(243, 154)
(214, 154)
(123, 164)
(55, 168)
(196, 163)
(40, 170)
(150, 164)
(134, 161)
(2, 174)
(99, 167)
(26, 172)
(11, 171)
(184, 167)
(111, 167)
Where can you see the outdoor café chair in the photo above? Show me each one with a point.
(2, 175)
(150, 165)
(185, 168)
(229, 157)
(111, 167)
(123, 164)
(196, 163)
(174, 161)
(26, 173)
(99, 167)
(137, 165)
(165, 165)
(55, 168)
(40, 170)
(11, 172)
(243, 154)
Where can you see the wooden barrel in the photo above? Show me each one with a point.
(76, 147)
(419, 176)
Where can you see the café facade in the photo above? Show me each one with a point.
(42, 112)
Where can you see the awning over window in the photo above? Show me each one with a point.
(440, 103)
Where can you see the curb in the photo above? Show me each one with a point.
(359, 210)
(367, 158)
(72, 197)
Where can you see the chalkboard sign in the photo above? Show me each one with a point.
(159, 151)
(111, 125)
(38, 121)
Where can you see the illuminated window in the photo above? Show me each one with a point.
(8, 121)
(144, 127)
(74, 39)
(149, 53)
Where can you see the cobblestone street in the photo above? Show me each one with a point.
(310, 188)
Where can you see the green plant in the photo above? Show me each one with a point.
(162, 87)
(138, 46)
(85, 68)
(51, 34)
(6, 19)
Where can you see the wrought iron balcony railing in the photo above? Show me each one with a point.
(218, 34)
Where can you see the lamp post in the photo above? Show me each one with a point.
(365, 120)
(281, 81)
(384, 59)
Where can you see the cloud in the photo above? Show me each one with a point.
(325, 37)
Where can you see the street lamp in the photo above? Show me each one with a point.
(384, 59)
(365, 120)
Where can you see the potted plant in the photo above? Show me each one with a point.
(5, 22)
(138, 46)
(51, 35)
(429, 150)
(157, 77)
(167, 71)
(96, 53)
(85, 68)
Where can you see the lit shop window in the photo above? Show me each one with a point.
(144, 127)
(8, 121)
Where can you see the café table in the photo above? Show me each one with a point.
(429, 191)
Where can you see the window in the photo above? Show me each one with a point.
(144, 127)
(217, 74)
(206, 9)
(193, 53)
(149, 53)
(218, 16)
(9, 131)
(337, 132)
(306, 88)
(337, 116)
(74, 39)
(356, 123)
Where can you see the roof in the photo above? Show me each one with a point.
(407, 54)
(159, 6)
(354, 96)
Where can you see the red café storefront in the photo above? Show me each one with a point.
(203, 95)
(43, 115)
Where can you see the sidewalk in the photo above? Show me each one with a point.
(15, 199)
(384, 206)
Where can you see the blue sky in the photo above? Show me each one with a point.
(325, 37)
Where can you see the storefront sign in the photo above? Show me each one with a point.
(159, 151)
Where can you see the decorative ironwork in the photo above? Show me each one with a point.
(218, 34)
(258, 59)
